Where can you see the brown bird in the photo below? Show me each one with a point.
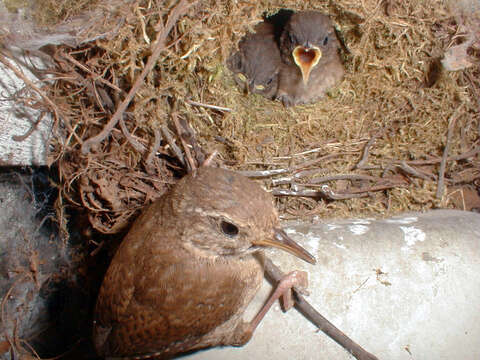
(311, 63)
(189, 266)
(257, 62)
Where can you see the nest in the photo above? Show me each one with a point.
(140, 94)
(137, 109)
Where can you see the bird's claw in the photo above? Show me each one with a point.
(296, 280)
(286, 100)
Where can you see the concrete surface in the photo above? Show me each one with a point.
(403, 288)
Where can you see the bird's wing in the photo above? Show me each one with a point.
(175, 304)
(118, 287)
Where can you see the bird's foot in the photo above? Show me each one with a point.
(286, 100)
(296, 280)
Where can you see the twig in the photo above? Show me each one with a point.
(410, 170)
(3, 318)
(262, 173)
(296, 176)
(323, 193)
(215, 107)
(342, 177)
(443, 163)
(196, 148)
(315, 161)
(299, 154)
(136, 145)
(30, 131)
(176, 150)
(465, 155)
(375, 188)
(30, 83)
(307, 310)
(86, 69)
(158, 47)
(329, 194)
(382, 184)
(365, 153)
(475, 150)
(155, 147)
(299, 193)
(210, 158)
(188, 154)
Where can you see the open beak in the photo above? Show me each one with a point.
(306, 59)
(282, 241)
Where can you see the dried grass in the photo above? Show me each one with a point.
(387, 121)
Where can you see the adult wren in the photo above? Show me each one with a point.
(189, 266)
(311, 63)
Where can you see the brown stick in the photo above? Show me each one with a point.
(96, 77)
(410, 170)
(53, 107)
(159, 46)
(30, 83)
(342, 177)
(365, 153)
(136, 145)
(300, 193)
(155, 147)
(275, 274)
(443, 163)
(188, 154)
(208, 106)
(30, 131)
(176, 150)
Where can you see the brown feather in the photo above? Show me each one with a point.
(258, 60)
(177, 283)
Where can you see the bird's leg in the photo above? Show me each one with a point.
(297, 279)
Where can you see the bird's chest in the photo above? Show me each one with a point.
(201, 293)
(231, 283)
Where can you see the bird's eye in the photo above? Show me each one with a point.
(325, 41)
(242, 77)
(259, 87)
(229, 229)
(269, 81)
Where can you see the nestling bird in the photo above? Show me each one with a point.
(311, 63)
(189, 266)
(257, 62)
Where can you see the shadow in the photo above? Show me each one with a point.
(54, 281)
(433, 73)
(278, 21)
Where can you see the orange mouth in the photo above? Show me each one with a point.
(306, 59)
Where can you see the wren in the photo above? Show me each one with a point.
(189, 266)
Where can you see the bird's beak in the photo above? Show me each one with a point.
(250, 88)
(306, 59)
(282, 241)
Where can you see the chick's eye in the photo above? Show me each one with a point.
(325, 41)
(229, 229)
